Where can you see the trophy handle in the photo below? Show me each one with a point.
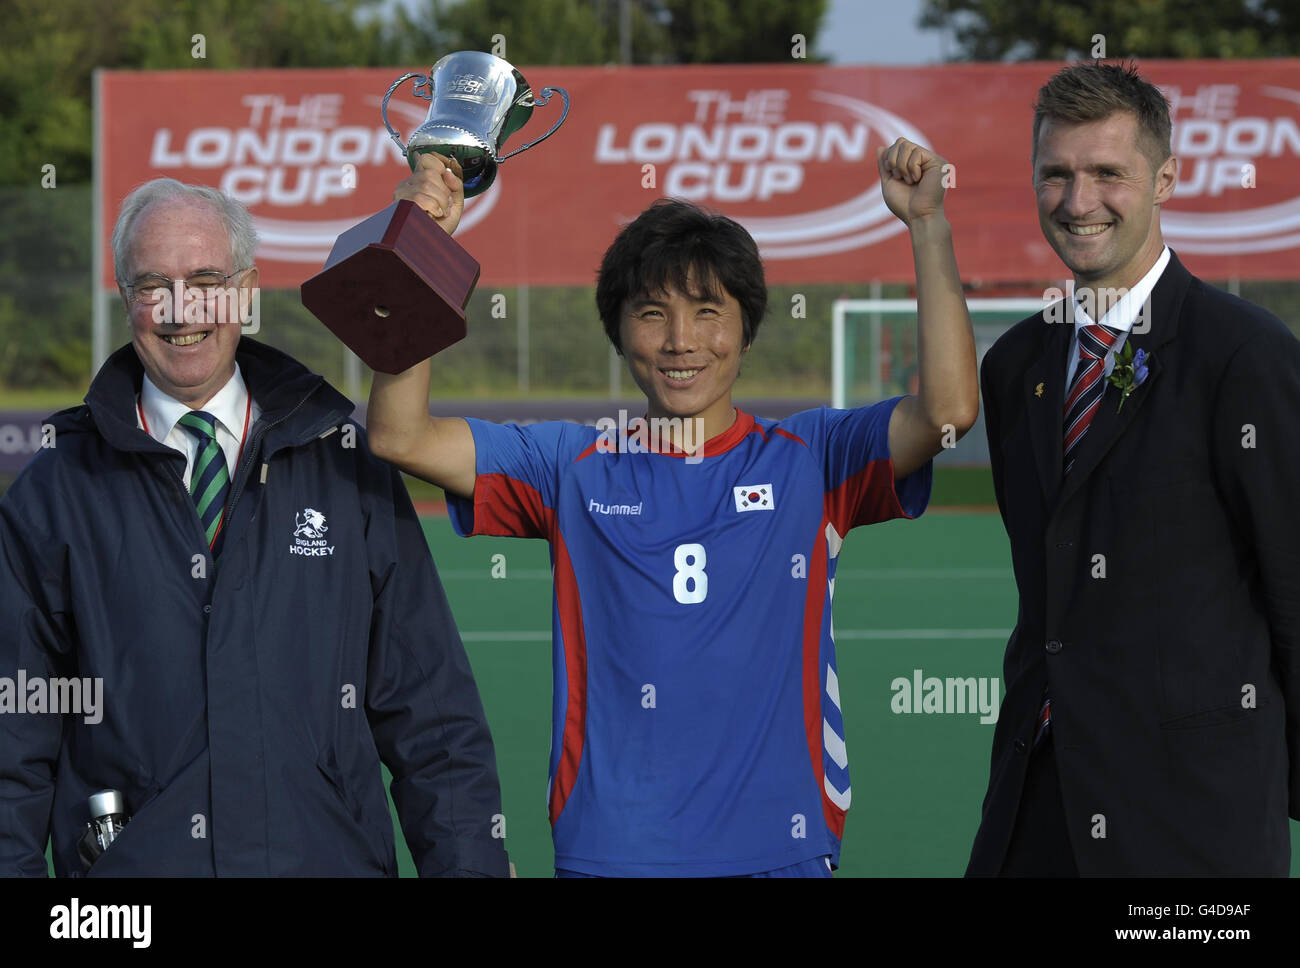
(544, 98)
(421, 82)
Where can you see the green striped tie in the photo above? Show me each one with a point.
(210, 479)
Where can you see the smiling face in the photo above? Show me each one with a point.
(1098, 203)
(684, 353)
(178, 239)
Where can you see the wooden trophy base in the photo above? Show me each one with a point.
(394, 288)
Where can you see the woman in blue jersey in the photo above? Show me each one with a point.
(696, 725)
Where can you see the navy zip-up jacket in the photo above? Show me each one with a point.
(245, 707)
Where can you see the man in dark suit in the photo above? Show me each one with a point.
(1147, 471)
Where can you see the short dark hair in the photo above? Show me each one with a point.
(1093, 91)
(673, 244)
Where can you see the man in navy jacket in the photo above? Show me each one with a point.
(244, 662)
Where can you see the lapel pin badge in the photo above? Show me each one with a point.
(1038, 390)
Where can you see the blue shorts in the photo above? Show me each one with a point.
(816, 867)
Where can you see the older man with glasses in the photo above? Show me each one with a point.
(213, 556)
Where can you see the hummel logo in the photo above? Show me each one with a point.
(595, 507)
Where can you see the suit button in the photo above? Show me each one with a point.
(207, 609)
(1054, 647)
(1021, 746)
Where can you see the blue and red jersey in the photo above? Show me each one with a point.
(696, 726)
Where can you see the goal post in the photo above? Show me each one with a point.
(873, 343)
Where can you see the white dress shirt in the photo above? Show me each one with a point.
(1120, 316)
(228, 407)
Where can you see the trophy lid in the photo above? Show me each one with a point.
(107, 802)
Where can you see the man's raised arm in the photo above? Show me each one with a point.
(438, 449)
(911, 178)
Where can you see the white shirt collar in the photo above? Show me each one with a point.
(1124, 313)
(162, 411)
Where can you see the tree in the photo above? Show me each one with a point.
(1064, 29)
(539, 32)
(563, 32)
(48, 52)
(753, 31)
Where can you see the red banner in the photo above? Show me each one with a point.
(789, 151)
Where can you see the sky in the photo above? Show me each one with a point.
(880, 32)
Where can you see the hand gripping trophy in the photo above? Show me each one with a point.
(395, 286)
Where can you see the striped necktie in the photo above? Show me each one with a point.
(210, 479)
(1043, 722)
(1084, 397)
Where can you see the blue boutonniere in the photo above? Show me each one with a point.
(1130, 371)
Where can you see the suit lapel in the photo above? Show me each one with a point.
(1043, 397)
(1110, 421)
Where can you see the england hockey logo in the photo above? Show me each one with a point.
(309, 535)
(310, 524)
(754, 497)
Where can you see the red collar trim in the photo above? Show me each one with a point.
(740, 428)
(743, 426)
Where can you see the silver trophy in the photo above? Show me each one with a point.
(477, 101)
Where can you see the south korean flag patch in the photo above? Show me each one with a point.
(754, 497)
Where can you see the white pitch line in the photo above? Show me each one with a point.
(840, 635)
(901, 574)
(485, 574)
(922, 634)
(875, 574)
(505, 636)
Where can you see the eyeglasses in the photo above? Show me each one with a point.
(154, 286)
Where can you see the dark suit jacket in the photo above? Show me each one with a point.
(1175, 678)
